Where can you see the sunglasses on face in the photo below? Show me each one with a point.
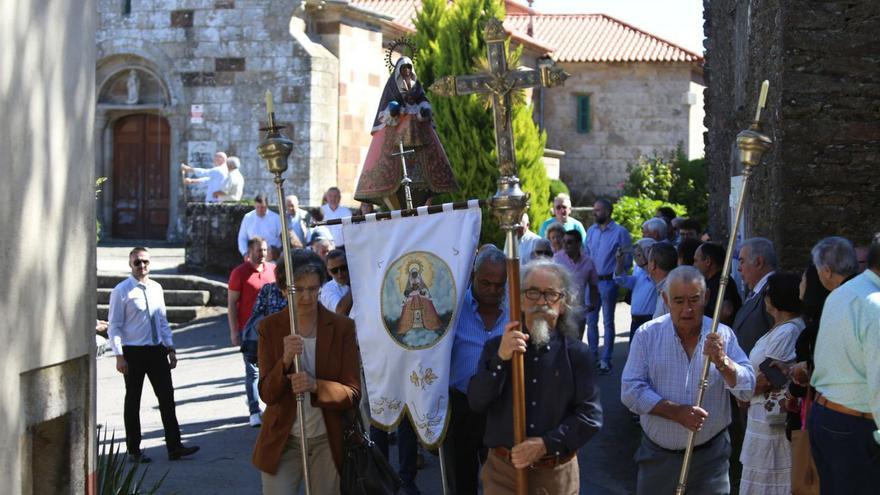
(337, 269)
(141, 262)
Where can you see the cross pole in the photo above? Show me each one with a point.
(509, 200)
(406, 181)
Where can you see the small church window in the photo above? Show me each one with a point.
(126, 7)
(583, 114)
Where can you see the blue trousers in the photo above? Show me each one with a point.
(251, 375)
(608, 296)
(846, 455)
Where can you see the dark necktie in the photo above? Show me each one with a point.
(154, 334)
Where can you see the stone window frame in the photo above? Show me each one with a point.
(583, 113)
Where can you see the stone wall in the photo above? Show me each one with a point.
(820, 178)
(636, 109)
(223, 55)
(47, 252)
(212, 236)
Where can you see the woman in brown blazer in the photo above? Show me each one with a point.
(329, 376)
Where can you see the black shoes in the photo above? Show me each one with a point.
(139, 458)
(182, 451)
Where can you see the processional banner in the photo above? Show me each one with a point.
(409, 275)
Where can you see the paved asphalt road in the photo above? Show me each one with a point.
(209, 390)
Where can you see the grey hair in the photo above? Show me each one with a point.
(657, 226)
(836, 253)
(686, 274)
(646, 243)
(292, 197)
(489, 254)
(233, 162)
(763, 247)
(567, 324)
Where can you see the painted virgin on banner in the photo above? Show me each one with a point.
(409, 276)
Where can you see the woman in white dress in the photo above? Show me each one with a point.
(766, 453)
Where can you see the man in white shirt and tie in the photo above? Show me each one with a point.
(141, 338)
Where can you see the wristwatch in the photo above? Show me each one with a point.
(725, 364)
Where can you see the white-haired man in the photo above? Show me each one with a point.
(661, 381)
(214, 178)
(297, 221)
(233, 188)
(654, 228)
(563, 410)
(562, 216)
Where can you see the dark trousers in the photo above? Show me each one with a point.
(846, 455)
(637, 321)
(150, 361)
(464, 445)
(407, 449)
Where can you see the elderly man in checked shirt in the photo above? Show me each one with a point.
(660, 383)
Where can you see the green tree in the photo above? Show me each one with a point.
(449, 41)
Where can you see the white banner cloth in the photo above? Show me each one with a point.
(408, 277)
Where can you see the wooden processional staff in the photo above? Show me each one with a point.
(509, 202)
(752, 145)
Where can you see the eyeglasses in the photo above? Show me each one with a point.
(550, 295)
(140, 262)
(543, 253)
(339, 268)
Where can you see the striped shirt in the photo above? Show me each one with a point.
(471, 334)
(658, 368)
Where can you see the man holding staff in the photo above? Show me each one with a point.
(562, 401)
(660, 383)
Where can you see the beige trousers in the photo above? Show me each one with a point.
(499, 478)
(322, 472)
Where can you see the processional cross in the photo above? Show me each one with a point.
(509, 200)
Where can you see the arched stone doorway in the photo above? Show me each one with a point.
(135, 126)
(141, 148)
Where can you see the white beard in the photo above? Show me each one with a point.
(540, 332)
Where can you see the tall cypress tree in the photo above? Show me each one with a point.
(449, 41)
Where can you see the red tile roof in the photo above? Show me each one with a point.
(568, 37)
(598, 38)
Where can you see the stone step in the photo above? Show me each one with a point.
(176, 314)
(217, 290)
(172, 297)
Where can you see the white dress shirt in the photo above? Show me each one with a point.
(234, 186)
(136, 308)
(216, 181)
(658, 368)
(268, 227)
(331, 293)
(335, 230)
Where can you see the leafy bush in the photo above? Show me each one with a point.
(556, 187)
(632, 212)
(673, 178)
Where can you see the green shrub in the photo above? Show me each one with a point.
(671, 177)
(556, 187)
(632, 212)
(116, 476)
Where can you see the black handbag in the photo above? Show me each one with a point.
(365, 471)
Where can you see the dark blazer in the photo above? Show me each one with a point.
(337, 370)
(752, 321)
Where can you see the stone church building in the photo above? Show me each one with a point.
(177, 80)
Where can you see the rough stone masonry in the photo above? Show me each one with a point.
(821, 177)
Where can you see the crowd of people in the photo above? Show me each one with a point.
(793, 353)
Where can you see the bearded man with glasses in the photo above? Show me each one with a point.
(563, 410)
